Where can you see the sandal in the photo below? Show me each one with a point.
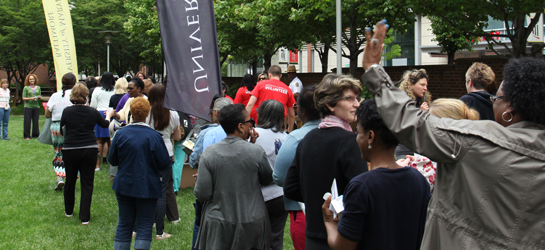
(163, 236)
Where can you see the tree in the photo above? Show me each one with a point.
(449, 39)
(470, 19)
(356, 16)
(24, 41)
(89, 17)
(255, 29)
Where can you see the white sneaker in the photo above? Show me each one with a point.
(97, 169)
(67, 215)
(60, 184)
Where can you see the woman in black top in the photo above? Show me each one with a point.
(327, 153)
(80, 150)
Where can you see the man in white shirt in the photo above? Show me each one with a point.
(295, 83)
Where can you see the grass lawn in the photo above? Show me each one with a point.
(32, 214)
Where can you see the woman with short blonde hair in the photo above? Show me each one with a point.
(120, 89)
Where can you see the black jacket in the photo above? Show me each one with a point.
(480, 101)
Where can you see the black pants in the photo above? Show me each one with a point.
(162, 202)
(277, 218)
(31, 114)
(84, 161)
(172, 206)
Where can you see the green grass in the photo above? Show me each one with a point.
(32, 213)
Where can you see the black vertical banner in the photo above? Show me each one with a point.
(190, 46)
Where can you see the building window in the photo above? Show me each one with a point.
(406, 42)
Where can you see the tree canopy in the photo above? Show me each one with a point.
(470, 18)
(24, 41)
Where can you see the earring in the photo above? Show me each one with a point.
(509, 120)
(369, 147)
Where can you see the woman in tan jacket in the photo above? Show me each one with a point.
(489, 188)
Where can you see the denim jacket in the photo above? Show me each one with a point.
(285, 157)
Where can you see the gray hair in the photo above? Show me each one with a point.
(271, 115)
(221, 103)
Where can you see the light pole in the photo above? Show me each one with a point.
(108, 37)
(338, 36)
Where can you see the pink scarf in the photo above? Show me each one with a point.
(332, 121)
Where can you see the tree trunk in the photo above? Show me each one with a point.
(267, 61)
(519, 39)
(451, 56)
(324, 54)
(254, 67)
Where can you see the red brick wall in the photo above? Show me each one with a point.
(446, 81)
(41, 73)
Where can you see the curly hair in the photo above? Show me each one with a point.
(27, 82)
(453, 108)
(411, 77)
(140, 108)
(79, 94)
(524, 87)
(370, 119)
(481, 75)
(330, 91)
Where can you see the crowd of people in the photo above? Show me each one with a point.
(398, 171)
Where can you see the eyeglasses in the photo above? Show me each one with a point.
(493, 98)
(251, 121)
(352, 98)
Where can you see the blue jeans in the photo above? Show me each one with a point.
(197, 226)
(134, 211)
(4, 119)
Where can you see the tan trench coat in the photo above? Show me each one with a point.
(490, 187)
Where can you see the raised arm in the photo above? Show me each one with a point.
(414, 128)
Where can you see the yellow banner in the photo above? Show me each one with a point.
(61, 35)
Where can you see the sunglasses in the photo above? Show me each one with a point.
(251, 121)
(262, 78)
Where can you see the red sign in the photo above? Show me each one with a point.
(294, 56)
